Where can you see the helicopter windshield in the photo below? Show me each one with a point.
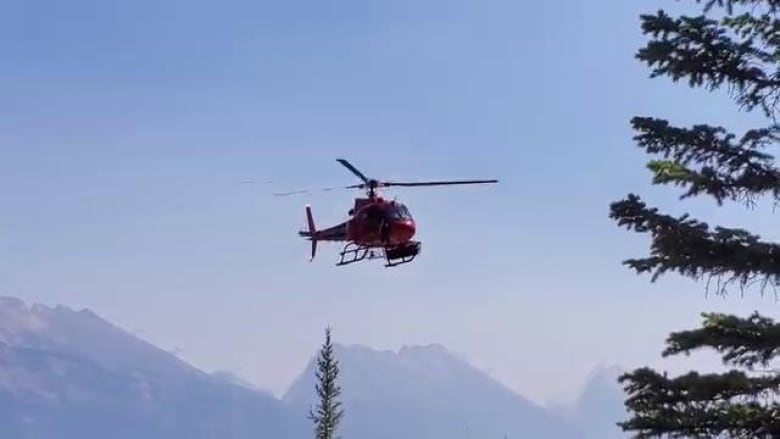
(400, 211)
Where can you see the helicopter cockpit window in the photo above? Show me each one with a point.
(400, 211)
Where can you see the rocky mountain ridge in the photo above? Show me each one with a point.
(70, 374)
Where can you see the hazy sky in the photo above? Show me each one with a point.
(126, 126)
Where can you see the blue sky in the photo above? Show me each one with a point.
(124, 128)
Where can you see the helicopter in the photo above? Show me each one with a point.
(377, 227)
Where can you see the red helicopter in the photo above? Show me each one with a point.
(377, 227)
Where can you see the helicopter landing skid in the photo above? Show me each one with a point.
(355, 253)
(393, 255)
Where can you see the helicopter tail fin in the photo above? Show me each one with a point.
(312, 231)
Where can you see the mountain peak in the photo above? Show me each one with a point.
(7, 302)
(437, 391)
(72, 374)
(16, 318)
(80, 333)
(604, 375)
(16, 311)
(429, 349)
(600, 405)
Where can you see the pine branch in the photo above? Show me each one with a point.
(649, 388)
(708, 405)
(689, 247)
(771, 6)
(741, 342)
(701, 405)
(726, 167)
(699, 49)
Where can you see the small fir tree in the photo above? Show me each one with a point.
(328, 414)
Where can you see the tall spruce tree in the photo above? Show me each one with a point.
(733, 44)
(328, 413)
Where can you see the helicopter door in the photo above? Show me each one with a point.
(373, 219)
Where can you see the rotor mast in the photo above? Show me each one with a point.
(368, 183)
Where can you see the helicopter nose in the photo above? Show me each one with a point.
(403, 230)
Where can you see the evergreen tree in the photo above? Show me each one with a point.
(733, 44)
(329, 412)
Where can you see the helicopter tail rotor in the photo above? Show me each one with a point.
(312, 231)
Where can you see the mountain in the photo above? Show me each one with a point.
(232, 378)
(69, 374)
(426, 392)
(599, 406)
(72, 375)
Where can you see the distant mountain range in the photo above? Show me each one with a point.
(69, 374)
(72, 375)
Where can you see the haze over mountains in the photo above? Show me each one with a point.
(69, 374)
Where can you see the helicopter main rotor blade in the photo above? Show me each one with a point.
(309, 191)
(354, 170)
(436, 183)
(255, 182)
